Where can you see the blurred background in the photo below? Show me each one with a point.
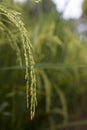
(58, 34)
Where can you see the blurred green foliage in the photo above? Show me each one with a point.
(85, 7)
(61, 66)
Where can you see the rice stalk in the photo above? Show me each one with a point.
(30, 75)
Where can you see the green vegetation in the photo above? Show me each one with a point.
(60, 63)
(9, 17)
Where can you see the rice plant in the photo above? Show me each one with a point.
(12, 18)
